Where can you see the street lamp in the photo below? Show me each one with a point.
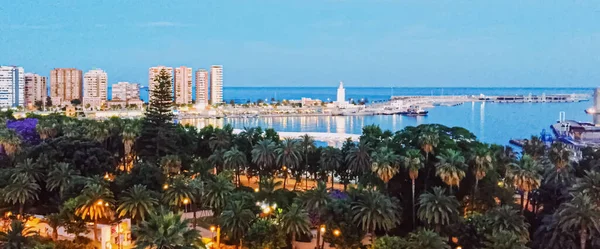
(186, 201)
(99, 203)
(336, 232)
(166, 186)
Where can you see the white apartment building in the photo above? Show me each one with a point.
(95, 87)
(201, 87)
(182, 86)
(35, 89)
(152, 73)
(216, 84)
(12, 86)
(125, 91)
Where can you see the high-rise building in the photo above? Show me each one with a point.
(95, 86)
(35, 89)
(125, 91)
(12, 86)
(65, 85)
(201, 87)
(216, 84)
(183, 85)
(152, 73)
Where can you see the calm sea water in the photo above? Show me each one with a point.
(490, 122)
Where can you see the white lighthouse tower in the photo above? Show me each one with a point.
(341, 96)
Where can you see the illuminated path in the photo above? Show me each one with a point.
(332, 139)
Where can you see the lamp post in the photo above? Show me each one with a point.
(319, 232)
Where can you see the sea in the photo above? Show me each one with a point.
(490, 122)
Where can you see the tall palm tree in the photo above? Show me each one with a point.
(235, 160)
(9, 141)
(221, 140)
(137, 202)
(526, 177)
(28, 168)
(288, 157)
(295, 222)
(451, 168)
(307, 145)
(374, 210)
(589, 184)
(426, 239)
(428, 140)
(130, 134)
(506, 218)
(263, 155)
(171, 165)
(60, 177)
(580, 213)
(166, 230)
(236, 220)
(413, 162)
(179, 192)
(21, 190)
(268, 190)
(18, 236)
(359, 159)
(331, 160)
(482, 163)
(534, 147)
(315, 200)
(95, 203)
(437, 209)
(559, 155)
(217, 158)
(217, 193)
(385, 163)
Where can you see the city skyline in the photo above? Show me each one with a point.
(383, 43)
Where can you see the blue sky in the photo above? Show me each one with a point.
(314, 43)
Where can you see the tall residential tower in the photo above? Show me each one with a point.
(216, 84)
(183, 85)
(12, 86)
(65, 85)
(201, 87)
(35, 89)
(152, 73)
(95, 86)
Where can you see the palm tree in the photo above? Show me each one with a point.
(426, 239)
(437, 209)
(315, 200)
(136, 202)
(413, 162)
(331, 159)
(263, 155)
(506, 218)
(482, 163)
(589, 184)
(171, 165)
(385, 163)
(18, 236)
(429, 139)
(268, 190)
(307, 145)
(217, 193)
(61, 177)
(534, 147)
(21, 190)
(217, 158)
(288, 157)
(580, 213)
(374, 210)
(95, 203)
(526, 177)
(235, 160)
(221, 140)
(560, 155)
(166, 230)
(451, 168)
(504, 240)
(130, 134)
(295, 222)
(54, 221)
(9, 141)
(359, 159)
(47, 128)
(29, 169)
(179, 192)
(236, 220)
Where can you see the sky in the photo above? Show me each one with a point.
(365, 43)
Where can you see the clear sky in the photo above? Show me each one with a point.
(314, 42)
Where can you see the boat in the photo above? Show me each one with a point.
(414, 112)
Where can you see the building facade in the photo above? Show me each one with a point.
(35, 89)
(216, 84)
(12, 86)
(202, 87)
(125, 91)
(152, 73)
(95, 87)
(66, 84)
(182, 87)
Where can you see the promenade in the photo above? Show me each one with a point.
(332, 139)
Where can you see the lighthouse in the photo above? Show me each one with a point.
(341, 96)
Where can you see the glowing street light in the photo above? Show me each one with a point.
(336, 232)
(213, 228)
(166, 186)
(322, 229)
(99, 203)
(186, 201)
(255, 190)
